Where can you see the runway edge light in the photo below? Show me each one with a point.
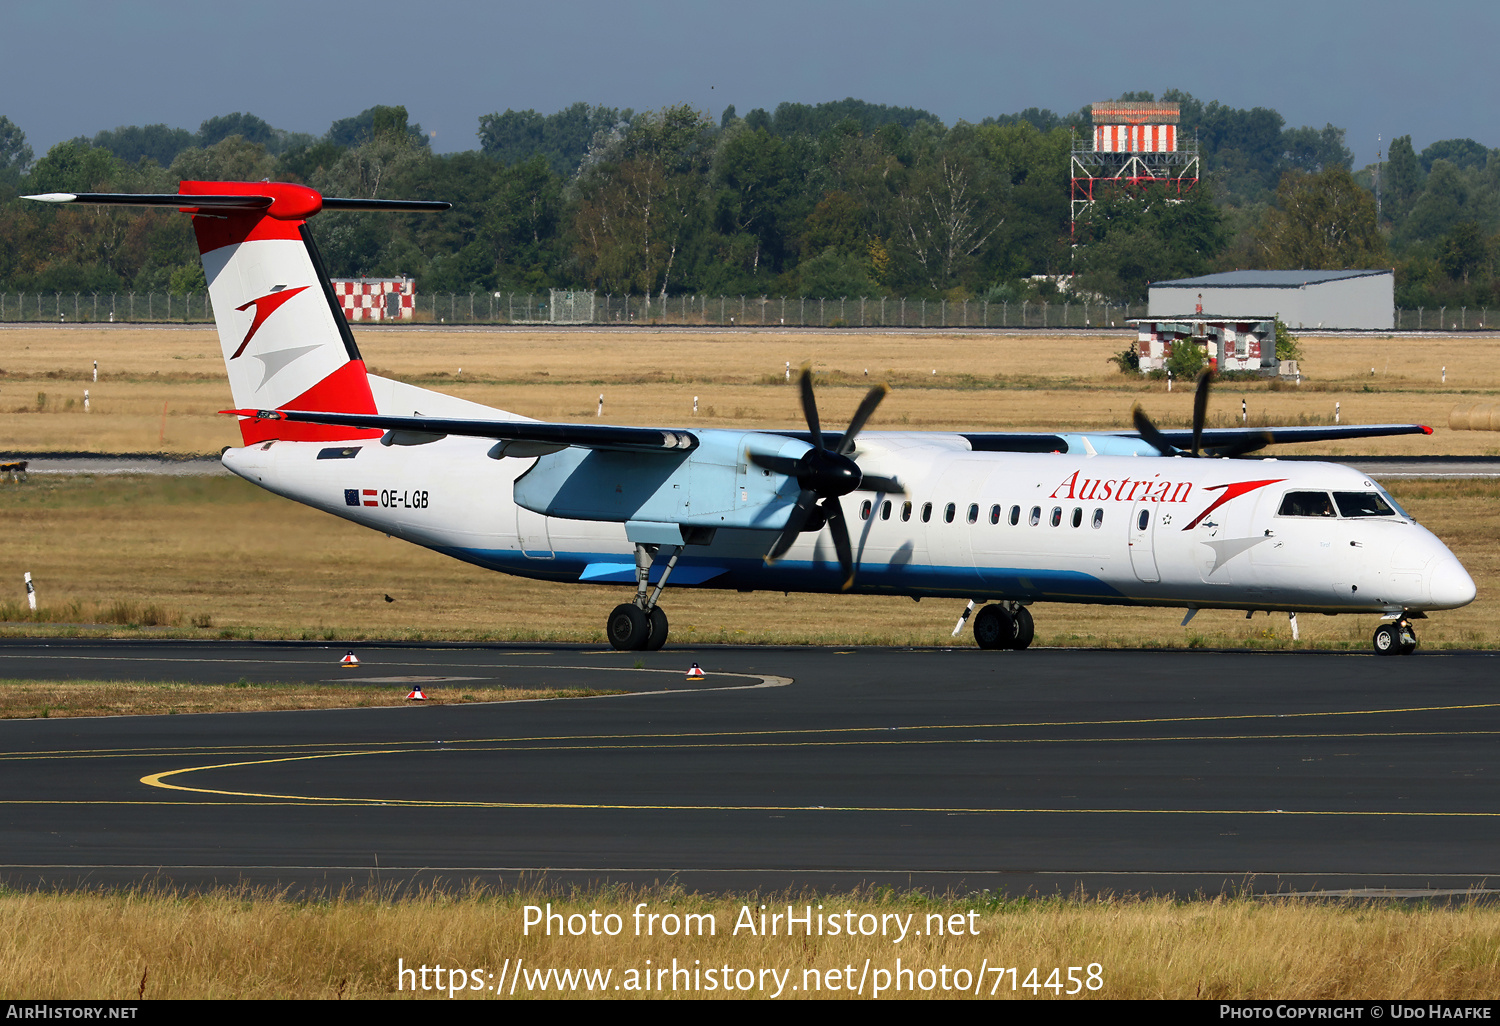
(415, 694)
(695, 672)
(349, 660)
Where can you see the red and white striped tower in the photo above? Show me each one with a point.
(1135, 145)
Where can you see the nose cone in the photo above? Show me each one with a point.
(1451, 585)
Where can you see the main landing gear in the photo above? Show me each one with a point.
(641, 625)
(1004, 625)
(1395, 638)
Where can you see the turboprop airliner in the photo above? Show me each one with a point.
(1159, 518)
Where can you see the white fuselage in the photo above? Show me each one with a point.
(980, 525)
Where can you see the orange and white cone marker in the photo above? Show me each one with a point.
(415, 695)
(349, 660)
(695, 673)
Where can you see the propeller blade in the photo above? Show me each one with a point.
(1148, 431)
(866, 407)
(776, 464)
(810, 405)
(1200, 409)
(889, 485)
(806, 500)
(840, 532)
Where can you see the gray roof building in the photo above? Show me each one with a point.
(1337, 300)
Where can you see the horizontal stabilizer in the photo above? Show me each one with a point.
(583, 436)
(256, 204)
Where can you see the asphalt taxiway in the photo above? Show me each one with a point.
(1037, 772)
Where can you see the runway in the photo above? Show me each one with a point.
(1040, 772)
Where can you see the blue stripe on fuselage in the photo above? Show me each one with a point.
(809, 576)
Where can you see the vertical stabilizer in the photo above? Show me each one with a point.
(286, 343)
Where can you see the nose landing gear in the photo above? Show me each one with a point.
(1395, 638)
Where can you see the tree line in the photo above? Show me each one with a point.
(829, 200)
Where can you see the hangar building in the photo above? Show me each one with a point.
(1302, 299)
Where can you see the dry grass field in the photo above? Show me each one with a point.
(992, 381)
(23, 699)
(227, 945)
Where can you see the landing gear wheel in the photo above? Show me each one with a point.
(658, 621)
(994, 628)
(1387, 640)
(1025, 629)
(628, 628)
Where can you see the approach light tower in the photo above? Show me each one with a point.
(1135, 145)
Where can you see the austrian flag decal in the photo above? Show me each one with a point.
(356, 497)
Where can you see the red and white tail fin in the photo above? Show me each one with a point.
(287, 345)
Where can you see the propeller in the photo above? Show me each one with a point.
(824, 474)
(1158, 441)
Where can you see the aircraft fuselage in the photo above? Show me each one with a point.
(1019, 527)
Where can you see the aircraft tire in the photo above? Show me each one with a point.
(658, 623)
(1387, 640)
(994, 628)
(627, 628)
(1025, 629)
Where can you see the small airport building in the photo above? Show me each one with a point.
(1306, 300)
(1230, 345)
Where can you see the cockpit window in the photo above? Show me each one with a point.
(1306, 504)
(1362, 504)
(1391, 502)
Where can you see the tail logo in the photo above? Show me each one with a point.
(265, 306)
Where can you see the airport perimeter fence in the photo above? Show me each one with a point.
(517, 308)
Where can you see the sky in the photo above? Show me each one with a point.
(1378, 67)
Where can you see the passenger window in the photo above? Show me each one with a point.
(926, 512)
(948, 513)
(1144, 520)
(994, 514)
(1015, 515)
(885, 510)
(1036, 516)
(1362, 504)
(1077, 516)
(905, 511)
(973, 512)
(1306, 504)
(1056, 515)
(1098, 519)
(864, 510)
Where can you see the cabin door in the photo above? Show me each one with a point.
(1143, 542)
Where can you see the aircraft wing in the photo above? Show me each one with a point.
(1243, 440)
(1214, 438)
(532, 438)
